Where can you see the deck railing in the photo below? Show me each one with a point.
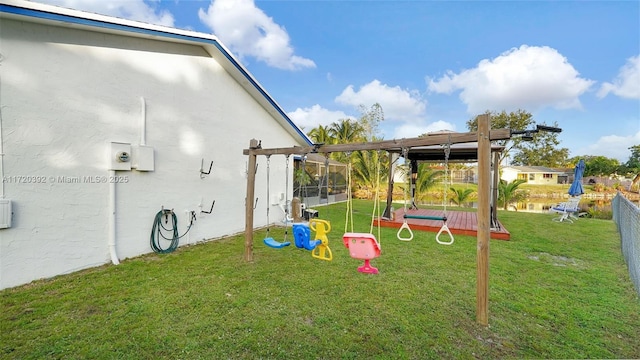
(626, 215)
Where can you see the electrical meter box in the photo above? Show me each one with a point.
(119, 156)
(5, 214)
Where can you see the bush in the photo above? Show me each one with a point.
(596, 213)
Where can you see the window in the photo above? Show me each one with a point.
(532, 177)
(547, 176)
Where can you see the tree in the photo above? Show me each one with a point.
(509, 193)
(321, 135)
(346, 131)
(428, 178)
(519, 120)
(634, 159)
(542, 150)
(461, 196)
(370, 120)
(365, 164)
(600, 165)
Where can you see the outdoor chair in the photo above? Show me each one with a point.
(567, 209)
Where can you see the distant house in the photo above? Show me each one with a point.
(535, 175)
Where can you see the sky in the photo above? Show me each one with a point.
(431, 65)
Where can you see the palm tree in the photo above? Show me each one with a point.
(509, 193)
(364, 165)
(343, 132)
(427, 178)
(461, 196)
(321, 135)
(346, 131)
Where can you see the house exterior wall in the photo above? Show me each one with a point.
(534, 178)
(67, 94)
(540, 178)
(509, 174)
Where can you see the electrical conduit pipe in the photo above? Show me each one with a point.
(112, 187)
(112, 218)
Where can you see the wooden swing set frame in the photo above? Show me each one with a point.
(483, 137)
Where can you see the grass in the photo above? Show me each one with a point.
(557, 290)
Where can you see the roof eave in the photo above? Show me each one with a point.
(59, 16)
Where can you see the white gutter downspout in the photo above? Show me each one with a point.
(112, 218)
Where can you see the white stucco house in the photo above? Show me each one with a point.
(104, 122)
(535, 175)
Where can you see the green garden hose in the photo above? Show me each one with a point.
(158, 227)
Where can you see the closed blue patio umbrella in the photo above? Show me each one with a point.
(576, 185)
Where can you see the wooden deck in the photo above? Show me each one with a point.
(459, 223)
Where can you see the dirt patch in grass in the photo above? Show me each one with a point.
(555, 260)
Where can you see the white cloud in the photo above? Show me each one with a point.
(248, 31)
(529, 77)
(613, 146)
(408, 130)
(398, 104)
(627, 82)
(136, 10)
(309, 118)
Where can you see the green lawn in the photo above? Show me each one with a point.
(557, 290)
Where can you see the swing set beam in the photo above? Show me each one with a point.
(395, 145)
(483, 137)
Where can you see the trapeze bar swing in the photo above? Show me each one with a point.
(444, 228)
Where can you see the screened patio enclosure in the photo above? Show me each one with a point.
(318, 180)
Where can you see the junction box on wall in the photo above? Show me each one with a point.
(5, 213)
(142, 158)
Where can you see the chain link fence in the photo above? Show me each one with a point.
(627, 216)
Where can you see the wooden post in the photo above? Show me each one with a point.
(251, 187)
(494, 194)
(387, 209)
(484, 223)
(295, 210)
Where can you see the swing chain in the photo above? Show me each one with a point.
(405, 224)
(326, 176)
(268, 186)
(349, 211)
(445, 228)
(302, 190)
(407, 162)
(286, 194)
(447, 151)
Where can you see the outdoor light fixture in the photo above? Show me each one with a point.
(527, 135)
(548, 128)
